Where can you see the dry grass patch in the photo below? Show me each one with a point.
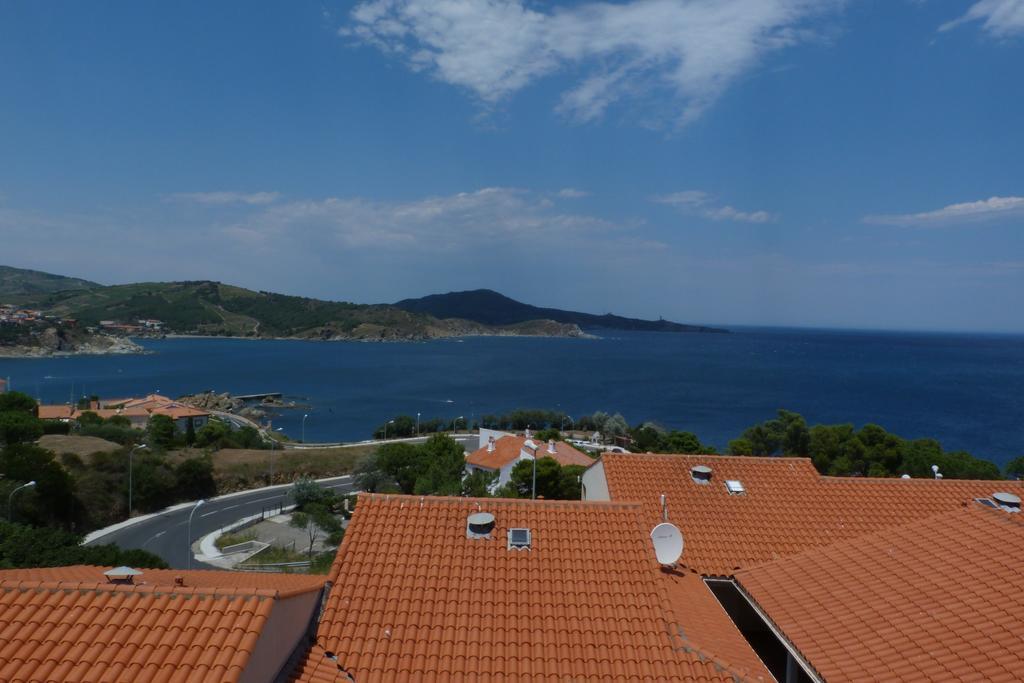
(236, 469)
(82, 446)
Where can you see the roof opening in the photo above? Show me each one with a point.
(701, 474)
(518, 539)
(735, 487)
(1007, 501)
(479, 525)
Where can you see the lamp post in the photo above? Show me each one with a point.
(389, 422)
(188, 541)
(455, 424)
(10, 499)
(131, 453)
(417, 424)
(304, 427)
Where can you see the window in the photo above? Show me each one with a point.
(519, 538)
(735, 487)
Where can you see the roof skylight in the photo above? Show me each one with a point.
(735, 487)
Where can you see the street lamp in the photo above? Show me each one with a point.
(417, 424)
(304, 427)
(10, 499)
(188, 540)
(572, 422)
(455, 423)
(389, 422)
(130, 467)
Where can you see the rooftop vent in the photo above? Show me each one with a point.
(519, 539)
(1007, 501)
(551, 446)
(479, 525)
(701, 474)
(122, 574)
(735, 487)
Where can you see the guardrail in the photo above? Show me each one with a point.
(275, 567)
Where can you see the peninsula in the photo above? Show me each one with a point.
(98, 313)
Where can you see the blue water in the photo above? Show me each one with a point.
(966, 391)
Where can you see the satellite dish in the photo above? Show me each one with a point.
(668, 543)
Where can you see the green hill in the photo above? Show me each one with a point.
(212, 308)
(491, 308)
(19, 285)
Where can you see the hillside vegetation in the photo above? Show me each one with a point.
(213, 308)
(491, 308)
(18, 285)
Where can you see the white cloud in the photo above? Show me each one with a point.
(490, 217)
(983, 210)
(572, 193)
(692, 49)
(1000, 18)
(700, 203)
(222, 198)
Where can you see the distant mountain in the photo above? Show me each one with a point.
(491, 308)
(18, 285)
(212, 308)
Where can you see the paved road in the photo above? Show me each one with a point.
(167, 535)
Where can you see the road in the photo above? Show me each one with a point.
(167, 535)
(467, 439)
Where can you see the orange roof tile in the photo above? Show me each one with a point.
(284, 585)
(787, 506)
(415, 599)
(937, 599)
(507, 449)
(177, 411)
(55, 412)
(70, 624)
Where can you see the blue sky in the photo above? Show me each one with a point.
(781, 162)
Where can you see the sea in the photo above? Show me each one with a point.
(966, 391)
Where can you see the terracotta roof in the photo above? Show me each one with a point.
(787, 507)
(177, 411)
(507, 449)
(415, 599)
(70, 624)
(937, 599)
(283, 585)
(55, 412)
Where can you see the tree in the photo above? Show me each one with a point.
(190, 432)
(195, 478)
(52, 499)
(478, 483)
(212, 434)
(368, 475)
(161, 429)
(403, 463)
(306, 492)
(18, 402)
(18, 427)
(26, 546)
(89, 419)
(445, 463)
(548, 434)
(1015, 468)
(554, 482)
(307, 522)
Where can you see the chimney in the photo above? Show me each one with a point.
(179, 580)
(490, 444)
(551, 446)
(527, 433)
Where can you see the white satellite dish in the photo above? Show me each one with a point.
(668, 543)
